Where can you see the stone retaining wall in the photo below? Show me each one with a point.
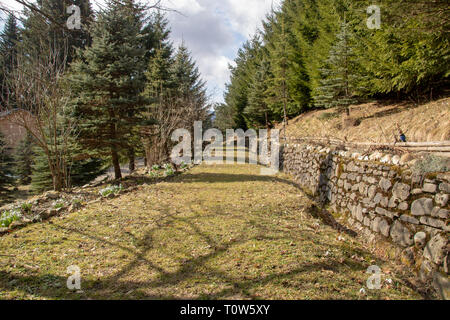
(380, 195)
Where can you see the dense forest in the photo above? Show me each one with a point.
(98, 96)
(334, 53)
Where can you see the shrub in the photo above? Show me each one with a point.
(153, 174)
(8, 217)
(183, 165)
(155, 167)
(328, 116)
(169, 172)
(26, 207)
(431, 164)
(110, 190)
(58, 204)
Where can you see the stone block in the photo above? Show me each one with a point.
(429, 187)
(385, 184)
(420, 239)
(401, 235)
(435, 249)
(409, 219)
(401, 191)
(435, 223)
(421, 207)
(444, 187)
(441, 199)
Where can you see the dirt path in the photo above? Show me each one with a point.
(215, 232)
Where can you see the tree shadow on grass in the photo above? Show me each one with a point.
(54, 286)
(196, 268)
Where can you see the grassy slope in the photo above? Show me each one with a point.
(425, 122)
(216, 232)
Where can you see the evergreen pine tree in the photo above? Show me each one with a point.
(9, 40)
(237, 91)
(340, 74)
(107, 82)
(42, 34)
(6, 165)
(24, 158)
(84, 171)
(258, 112)
(80, 168)
(189, 87)
(288, 87)
(223, 117)
(41, 177)
(156, 35)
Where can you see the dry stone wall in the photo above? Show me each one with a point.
(378, 194)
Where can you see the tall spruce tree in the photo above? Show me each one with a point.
(24, 159)
(288, 88)
(9, 41)
(45, 28)
(41, 177)
(237, 91)
(6, 165)
(156, 35)
(258, 112)
(189, 87)
(162, 107)
(107, 82)
(341, 74)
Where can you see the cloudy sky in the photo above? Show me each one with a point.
(213, 30)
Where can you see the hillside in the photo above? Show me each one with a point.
(376, 122)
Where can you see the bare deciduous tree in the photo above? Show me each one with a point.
(36, 87)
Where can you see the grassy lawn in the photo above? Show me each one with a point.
(215, 232)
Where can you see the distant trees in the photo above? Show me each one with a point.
(6, 165)
(8, 56)
(223, 117)
(320, 53)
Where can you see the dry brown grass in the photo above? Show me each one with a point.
(376, 122)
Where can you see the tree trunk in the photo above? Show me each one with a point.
(57, 185)
(116, 164)
(131, 159)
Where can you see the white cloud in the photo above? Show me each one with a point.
(215, 33)
(246, 16)
(185, 6)
(216, 73)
